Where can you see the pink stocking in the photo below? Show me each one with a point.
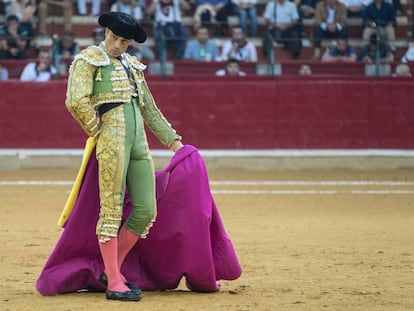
(109, 251)
(127, 240)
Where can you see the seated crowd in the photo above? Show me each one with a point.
(210, 37)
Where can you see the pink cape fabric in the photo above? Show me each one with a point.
(187, 240)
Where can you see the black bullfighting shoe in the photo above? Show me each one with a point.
(103, 279)
(123, 296)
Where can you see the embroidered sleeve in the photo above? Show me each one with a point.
(78, 96)
(153, 117)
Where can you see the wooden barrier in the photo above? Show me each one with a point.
(254, 113)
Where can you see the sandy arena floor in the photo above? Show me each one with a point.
(307, 240)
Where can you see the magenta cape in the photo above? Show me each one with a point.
(187, 240)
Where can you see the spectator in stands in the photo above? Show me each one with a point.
(7, 7)
(306, 8)
(169, 33)
(409, 54)
(246, 10)
(65, 50)
(238, 47)
(340, 52)
(4, 73)
(209, 11)
(3, 47)
(355, 8)
(95, 10)
(14, 39)
(402, 70)
(142, 51)
(98, 35)
(305, 70)
(42, 70)
(25, 11)
(65, 7)
(368, 52)
(330, 22)
(202, 48)
(282, 19)
(232, 69)
(397, 7)
(42, 40)
(380, 15)
(134, 8)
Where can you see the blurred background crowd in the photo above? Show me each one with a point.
(49, 33)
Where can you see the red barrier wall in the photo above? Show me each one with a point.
(242, 114)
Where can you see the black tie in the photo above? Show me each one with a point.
(125, 66)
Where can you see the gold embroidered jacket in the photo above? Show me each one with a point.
(96, 79)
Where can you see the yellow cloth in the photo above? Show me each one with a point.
(70, 203)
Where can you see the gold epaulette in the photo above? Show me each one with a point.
(94, 56)
(134, 62)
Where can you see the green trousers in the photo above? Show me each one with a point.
(124, 162)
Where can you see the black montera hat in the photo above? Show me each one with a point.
(123, 25)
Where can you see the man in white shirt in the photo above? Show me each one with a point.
(168, 30)
(282, 19)
(238, 47)
(42, 70)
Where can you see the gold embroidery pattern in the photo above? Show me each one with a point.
(153, 117)
(79, 91)
(110, 152)
(119, 91)
(82, 103)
